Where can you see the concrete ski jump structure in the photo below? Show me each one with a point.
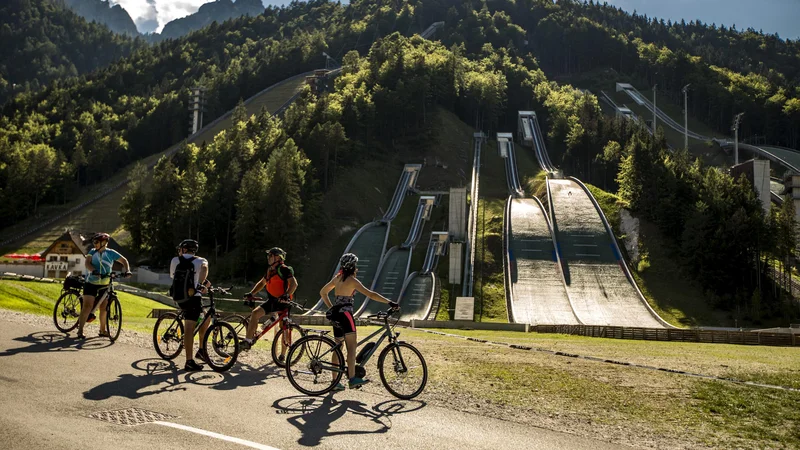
(369, 242)
(395, 264)
(417, 296)
(596, 285)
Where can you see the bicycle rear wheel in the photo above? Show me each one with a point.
(114, 319)
(239, 324)
(221, 345)
(168, 336)
(283, 341)
(312, 373)
(403, 370)
(67, 311)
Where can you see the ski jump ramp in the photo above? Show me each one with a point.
(418, 292)
(369, 242)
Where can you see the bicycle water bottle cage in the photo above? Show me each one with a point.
(364, 350)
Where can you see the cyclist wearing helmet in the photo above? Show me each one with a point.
(280, 284)
(345, 284)
(99, 262)
(189, 279)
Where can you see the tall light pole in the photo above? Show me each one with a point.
(686, 116)
(735, 128)
(654, 108)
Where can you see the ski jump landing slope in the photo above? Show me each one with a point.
(537, 286)
(597, 281)
(369, 242)
(417, 295)
(393, 268)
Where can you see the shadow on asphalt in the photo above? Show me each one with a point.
(52, 341)
(314, 416)
(160, 376)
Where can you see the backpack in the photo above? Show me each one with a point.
(279, 273)
(183, 287)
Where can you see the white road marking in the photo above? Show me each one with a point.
(586, 254)
(244, 442)
(529, 250)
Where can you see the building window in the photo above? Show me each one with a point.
(53, 258)
(65, 259)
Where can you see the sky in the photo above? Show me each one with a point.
(771, 16)
(151, 15)
(781, 16)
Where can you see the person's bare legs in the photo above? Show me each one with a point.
(188, 338)
(103, 315)
(252, 326)
(203, 329)
(351, 342)
(86, 309)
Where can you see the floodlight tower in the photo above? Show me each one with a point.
(686, 116)
(735, 128)
(197, 107)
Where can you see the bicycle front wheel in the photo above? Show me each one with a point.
(67, 311)
(239, 324)
(284, 339)
(114, 319)
(403, 370)
(168, 336)
(221, 345)
(313, 373)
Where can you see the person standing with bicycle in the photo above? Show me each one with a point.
(345, 284)
(280, 284)
(99, 263)
(189, 275)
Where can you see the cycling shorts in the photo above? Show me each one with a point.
(94, 290)
(343, 322)
(273, 305)
(192, 308)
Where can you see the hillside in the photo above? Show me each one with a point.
(44, 41)
(215, 11)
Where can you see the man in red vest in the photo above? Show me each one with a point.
(280, 284)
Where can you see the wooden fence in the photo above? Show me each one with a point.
(666, 334)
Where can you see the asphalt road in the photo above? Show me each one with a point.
(49, 387)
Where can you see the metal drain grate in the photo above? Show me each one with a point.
(130, 416)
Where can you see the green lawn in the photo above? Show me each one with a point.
(39, 298)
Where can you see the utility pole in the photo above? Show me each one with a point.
(654, 108)
(686, 116)
(735, 128)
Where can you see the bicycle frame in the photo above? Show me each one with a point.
(385, 329)
(282, 316)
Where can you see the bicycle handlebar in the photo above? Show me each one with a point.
(250, 300)
(384, 314)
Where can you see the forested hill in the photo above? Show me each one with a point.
(113, 16)
(44, 41)
(219, 11)
(730, 71)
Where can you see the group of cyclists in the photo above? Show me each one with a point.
(190, 275)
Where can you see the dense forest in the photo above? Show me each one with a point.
(493, 61)
(44, 41)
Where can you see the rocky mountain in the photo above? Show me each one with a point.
(101, 11)
(219, 11)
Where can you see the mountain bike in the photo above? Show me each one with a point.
(401, 366)
(67, 310)
(224, 343)
(288, 333)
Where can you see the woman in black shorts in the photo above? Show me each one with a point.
(345, 284)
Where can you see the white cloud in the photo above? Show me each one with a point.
(144, 12)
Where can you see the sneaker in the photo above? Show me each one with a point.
(192, 366)
(91, 318)
(356, 382)
(338, 388)
(281, 358)
(245, 344)
(201, 355)
(80, 337)
(104, 334)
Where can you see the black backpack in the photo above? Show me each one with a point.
(183, 287)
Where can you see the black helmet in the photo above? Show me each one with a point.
(348, 262)
(189, 244)
(99, 237)
(277, 251)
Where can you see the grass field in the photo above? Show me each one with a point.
(40, 298)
